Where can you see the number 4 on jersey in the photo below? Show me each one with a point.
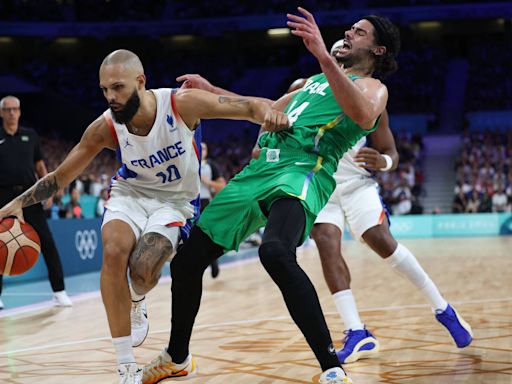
(294, 114)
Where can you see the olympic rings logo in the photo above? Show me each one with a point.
(86, 243)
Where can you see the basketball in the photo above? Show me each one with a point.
(19, 247)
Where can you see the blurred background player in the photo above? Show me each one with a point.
(212, 182)
(20, 161)
(151, 195)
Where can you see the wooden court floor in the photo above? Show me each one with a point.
(244, 335)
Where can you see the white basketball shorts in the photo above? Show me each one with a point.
(356, 203)
(147, 214)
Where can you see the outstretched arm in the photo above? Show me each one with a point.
(364, 99)
(196, 81)
(195, 104)
(95, 138)
(382, 146)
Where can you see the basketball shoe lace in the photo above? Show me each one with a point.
(136, 319)
(130, 374)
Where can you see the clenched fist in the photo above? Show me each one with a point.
(275, 121)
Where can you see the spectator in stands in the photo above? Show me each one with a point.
(95, 188)
(459, 202)
(473, 203)
(402, 198)
(102, 200)
(485, 202)
(500, 200)
(73, 208)
(462, 185)
(57, 211)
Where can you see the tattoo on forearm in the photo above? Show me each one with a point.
(237, 102)
(40, 191)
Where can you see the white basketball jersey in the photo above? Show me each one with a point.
(165, 162)
(348, 168)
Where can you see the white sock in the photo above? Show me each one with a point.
(135, 296)
(346, 305)
(403, 262)
(124, 349)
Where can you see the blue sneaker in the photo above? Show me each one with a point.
(358, 344)
(455, 324)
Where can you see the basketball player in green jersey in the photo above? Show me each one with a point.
(285, 189)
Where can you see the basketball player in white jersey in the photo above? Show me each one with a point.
(150, 197)
(356, 202)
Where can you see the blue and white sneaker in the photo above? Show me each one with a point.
(456, 325)
(358, 344)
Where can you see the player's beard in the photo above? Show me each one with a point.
(355, 57)
(129, 110)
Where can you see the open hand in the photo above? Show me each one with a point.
(307, 28)
(194, 81)
(370, 158)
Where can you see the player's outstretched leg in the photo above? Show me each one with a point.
(459, 329)
(283, 232)
(403, 262)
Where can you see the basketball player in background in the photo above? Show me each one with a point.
(20, 161)
(212, 183)
(151, 195)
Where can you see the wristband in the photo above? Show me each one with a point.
(389, 162)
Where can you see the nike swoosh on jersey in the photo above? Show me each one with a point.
(302, 163)
(2, 141)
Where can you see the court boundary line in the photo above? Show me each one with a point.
(242, 322)
(93, 294)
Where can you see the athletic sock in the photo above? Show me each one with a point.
(403, 262)
(347, 309)
(135, 296)
(124, 349)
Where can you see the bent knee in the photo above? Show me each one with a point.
(380, 239)
(324, 233)
(115, 257)
(274, 254)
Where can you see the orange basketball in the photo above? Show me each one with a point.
(19, 247)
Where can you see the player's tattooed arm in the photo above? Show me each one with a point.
(42, 190)
(238, 102)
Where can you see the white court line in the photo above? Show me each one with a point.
(87, 295)
(241, 322)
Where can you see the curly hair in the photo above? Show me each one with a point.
(388, 35)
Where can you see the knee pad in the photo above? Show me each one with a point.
(275, 256)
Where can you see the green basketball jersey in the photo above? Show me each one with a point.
(318, 124)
